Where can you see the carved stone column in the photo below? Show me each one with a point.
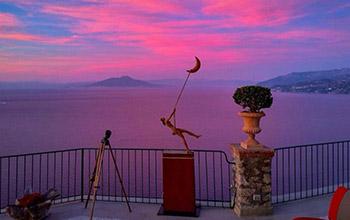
(252, 180)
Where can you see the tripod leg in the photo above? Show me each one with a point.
(97, 180)
(120, 178)
(92, 180)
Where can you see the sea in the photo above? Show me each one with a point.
(45, 120)
(58, 119)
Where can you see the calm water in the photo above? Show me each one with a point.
(40, 120)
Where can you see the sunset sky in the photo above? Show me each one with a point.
(65, 41)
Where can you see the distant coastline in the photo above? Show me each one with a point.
(335, 81)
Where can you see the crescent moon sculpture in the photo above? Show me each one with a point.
(167, 121)
(196, 67)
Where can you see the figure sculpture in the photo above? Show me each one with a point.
(167, 122)
(178, 131)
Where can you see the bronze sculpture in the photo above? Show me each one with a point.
(167, 122)
(178, 131)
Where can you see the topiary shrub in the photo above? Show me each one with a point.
(254, 98)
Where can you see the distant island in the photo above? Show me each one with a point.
(124, 81)
(335, 81)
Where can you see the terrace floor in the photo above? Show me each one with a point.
(317, 207)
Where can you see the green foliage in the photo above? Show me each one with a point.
(254, 98)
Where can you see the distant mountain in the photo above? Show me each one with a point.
(327, 81)
(124, 81)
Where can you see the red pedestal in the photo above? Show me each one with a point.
(178, 184)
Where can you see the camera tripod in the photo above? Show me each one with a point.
(95, 179)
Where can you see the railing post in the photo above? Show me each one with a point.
(0, 183)
(82, 176)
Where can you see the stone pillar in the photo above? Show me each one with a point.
(252, 180)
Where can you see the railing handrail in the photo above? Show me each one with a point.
(132, 149)
(172, 149)
(41, 152)
(311, 145)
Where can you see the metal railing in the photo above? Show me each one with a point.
(306, 171)
(298, 172)
(69, 171)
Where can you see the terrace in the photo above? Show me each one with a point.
(308, 174)
(116, 210)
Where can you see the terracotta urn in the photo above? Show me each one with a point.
(251, 122)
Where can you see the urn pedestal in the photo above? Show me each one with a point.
(252, 180)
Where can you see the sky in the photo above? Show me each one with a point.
(84, 40)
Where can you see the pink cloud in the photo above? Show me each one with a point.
(144, 37)
(323, 36)
(18, 36)
(256, 12)
(166, 38)
(8, 20)
(155, 6)
(111, 18)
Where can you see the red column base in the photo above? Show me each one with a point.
(178, 184)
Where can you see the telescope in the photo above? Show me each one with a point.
(105, 140)
(94, 181)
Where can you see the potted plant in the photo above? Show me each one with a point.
(252, 99)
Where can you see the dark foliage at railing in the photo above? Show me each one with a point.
(305, 171)
(141, 168)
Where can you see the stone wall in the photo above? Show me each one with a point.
(252, 180)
